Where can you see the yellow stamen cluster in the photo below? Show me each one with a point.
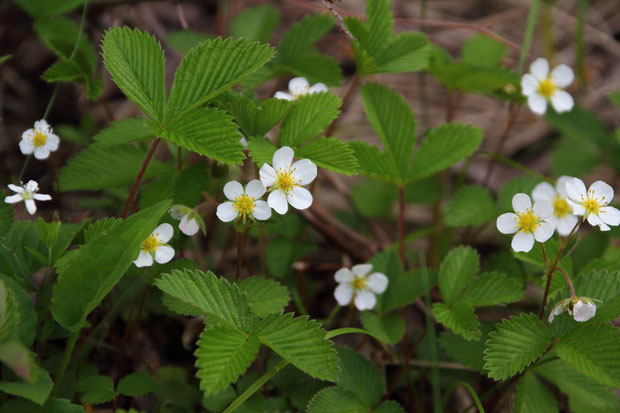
(39, 139)
(285, 180)
(359, 283)
(547, 88)
(244, 205)
(528, 222)
(592, 206)
(561, 207)
(150, 244)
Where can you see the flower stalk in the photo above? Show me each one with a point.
(136, 184)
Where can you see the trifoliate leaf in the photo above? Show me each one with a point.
(470, 205)
(491, 288)
(359, 376)
(330, 153)
(135, 384)
(266, 296)
(388, 328)
(255, 23)
(335, 400)
(310, 115)
(532, 396)
(456, 271)
(460, 318)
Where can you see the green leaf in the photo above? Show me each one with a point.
(514, 344)
(372, 198)
(282, 252)
(491, 288)
(136, 63)
(523, 183)
(266, 296)
(593, 349)
(302, 36)
(601, 285)
(99, 228)
(389, 328)
(255, 23)
(444, 146)
(460, 318)
(532, 396)
(52, 405)
(19, 359)
(6, 215)
(302, 342)
(25, 308)
(467, 352)
(255, 119)
(374, 163)
(37, 391)
(330, 153)
(62, 71)
(470, 205)
(389, 406)
(136, 384)
(183, 187)
(456, 271)
(5, 58)
(122, 131)
(204, 293)
(406, 52)
(9, 313)
(574, 157)
(210, 68)
(95, 389)
(481, 50)
(97, 266)
(185, 40)
(394, 122)
(310, 115)
(359, 376)
(223, 354)
(405, 287)
(335, 400)
(100, 166)
(261, 150)
(44, 8)
(209, 132)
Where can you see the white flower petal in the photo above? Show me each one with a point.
(543, 209)
(610, 216)
(544, 191)
(16, 188)
(164, 254)
(226, 211)
(543, 232)
(52, 142)
(602, 192)
(583, 311)
(343, 275)
(529, 84)
(41, 197)
(144, 259)
(13, 199)
(562, 76)
(319, 87)
(298, 86)
(32, 186)
(566, 224)
(576, 190)
(540, 68)
(507, 223)
(255, 189)
(31, 207)
(42, 125)
(343, 294)
(283, 95)
(522, 242)
(304, 171)
(562, 101)
(41, 152)
(26, 146)
(277, 201)
(261, 210)
(578, 209)
(361, 270)
(521, 203)
(299, 198)
(365, 300)
(163, 233)
(232, 190)
(28, 134)
(604, 227)
(560, 185)
(594, 220)
(537, 103)
(267, 175)
(377, 282)
(283, 158)
(188, 225)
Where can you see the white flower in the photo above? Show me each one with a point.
(39, 140)
(562, 218)
(540, 87)
(190, 223)
(155, 247)
(28, 194)
(360, 283)
(581, 308)
(592, 204)
(528, 223)
(286, 179)
(244, 203)
(298, 87)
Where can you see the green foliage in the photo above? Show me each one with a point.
(467, 352)
(255, 23)
(62, 71)
(282, 252)
(471, 205)
(459, 318)
(24, 308)
(514, 344)
(266, 296)
(185, 40)
(481, 50)
(51, 405)
(310, 115)
(532, 396)
(261, 150)
(43, 8)
(122, 131)
(335, 400)
(491, 288)
(93, 271)
(36, 388)
(135, 384)
(360, 377)
(255, 118)
(6, 215)
(9, 313)
(388, 328)
(457, 270)
(95, 389)
(523, 183)
(330, 153)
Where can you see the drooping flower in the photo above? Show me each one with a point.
(285, 180)
(244, 203)
(593, 203)
(528, 223)
(190, 223)
(155, 247)
(541, 87)
(28, 194)
(298, 87)
(39, 140)
(562, 219)
(581, 308)
(360, 285)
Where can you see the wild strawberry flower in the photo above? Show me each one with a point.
(244, 203)
(155, 247)
(39, 140)
(298, 87)
(541, 87)
(28, 194)
(190, 223)
(593, 203)
(562, 219)
(360, 285)
(581, 308)
(528, 223)
(285, 180)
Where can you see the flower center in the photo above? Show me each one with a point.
(561, 207)
(528, 222)
(285, 181)
(304, 91)
(546, 88)
(592, 206)
(150, 244)
(244, 205)
(359, 284)
(39, 139)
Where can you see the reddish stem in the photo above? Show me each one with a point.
(136, 184)
(570, 284)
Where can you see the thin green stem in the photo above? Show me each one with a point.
(471, 391)
(21, 174)
(530, 27)
(65, 361)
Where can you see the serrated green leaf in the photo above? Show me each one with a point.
(95, 389)
(372, 162)
(255, 23)
(601, 285)
(359, 376)
(135, 384)
(207, 294)
(184, 187)
(6, 215)
(389, 406)
(261, 150)
(593, 349)
(470, 205)
(209, 132)
(99, 167)
(62, 71)
(481, 50)
(460, 318)
(532, 396)
(36, 391)
(9, 313)
(491, 288)
(467, 352)
(456, 271)
(97, 266)
(210, 68)
(255, 119)
(122, 131)
(310, 115)
(99, 228)
(266, 296)
(405, 287)
(514, 344)
(444, 146)
(302, 342)
(335, 400)
(302, 35)
(223, 354)
(135, 61)
(330, 153)
(25, 308)
(406, 52)
(282, 252)
(389, 328)
(43, 8)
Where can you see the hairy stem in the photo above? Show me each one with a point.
(136, 184)
(570, 284)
